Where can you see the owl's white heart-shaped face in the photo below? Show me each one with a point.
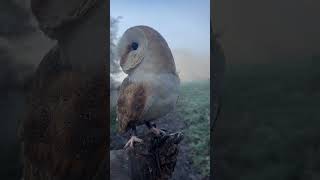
(143, 50)
(132, 57)
(131, 49)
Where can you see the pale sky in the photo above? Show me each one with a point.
(185, 24)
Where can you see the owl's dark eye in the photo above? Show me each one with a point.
(134, 46)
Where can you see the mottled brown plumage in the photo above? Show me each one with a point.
(131, 103)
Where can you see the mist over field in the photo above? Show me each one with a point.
(191, 66)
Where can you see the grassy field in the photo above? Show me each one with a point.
(270, 122)
(194, 108)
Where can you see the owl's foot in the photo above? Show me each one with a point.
(153, 128)
(157, 131)
(131, 141)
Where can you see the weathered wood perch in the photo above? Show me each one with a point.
(154, 159)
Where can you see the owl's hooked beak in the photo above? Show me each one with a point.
(131, 58)
(124, 58)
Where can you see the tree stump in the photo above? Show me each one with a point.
(154, 159)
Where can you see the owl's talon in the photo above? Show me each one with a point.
(157, 131)
(131, 141)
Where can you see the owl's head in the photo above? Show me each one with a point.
(53, 15)
(144, 47)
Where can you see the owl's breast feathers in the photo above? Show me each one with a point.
(64, 132)
(132, 103)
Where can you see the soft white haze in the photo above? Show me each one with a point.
(185, 24)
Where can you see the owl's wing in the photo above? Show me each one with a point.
(64, 133)
(134, 99)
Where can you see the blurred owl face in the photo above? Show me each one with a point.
(53, 14)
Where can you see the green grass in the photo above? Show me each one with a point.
(270, 124)
(194, 107)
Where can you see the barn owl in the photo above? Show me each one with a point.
(63, 135)
(151, 88)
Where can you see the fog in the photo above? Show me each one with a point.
(191, 66)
